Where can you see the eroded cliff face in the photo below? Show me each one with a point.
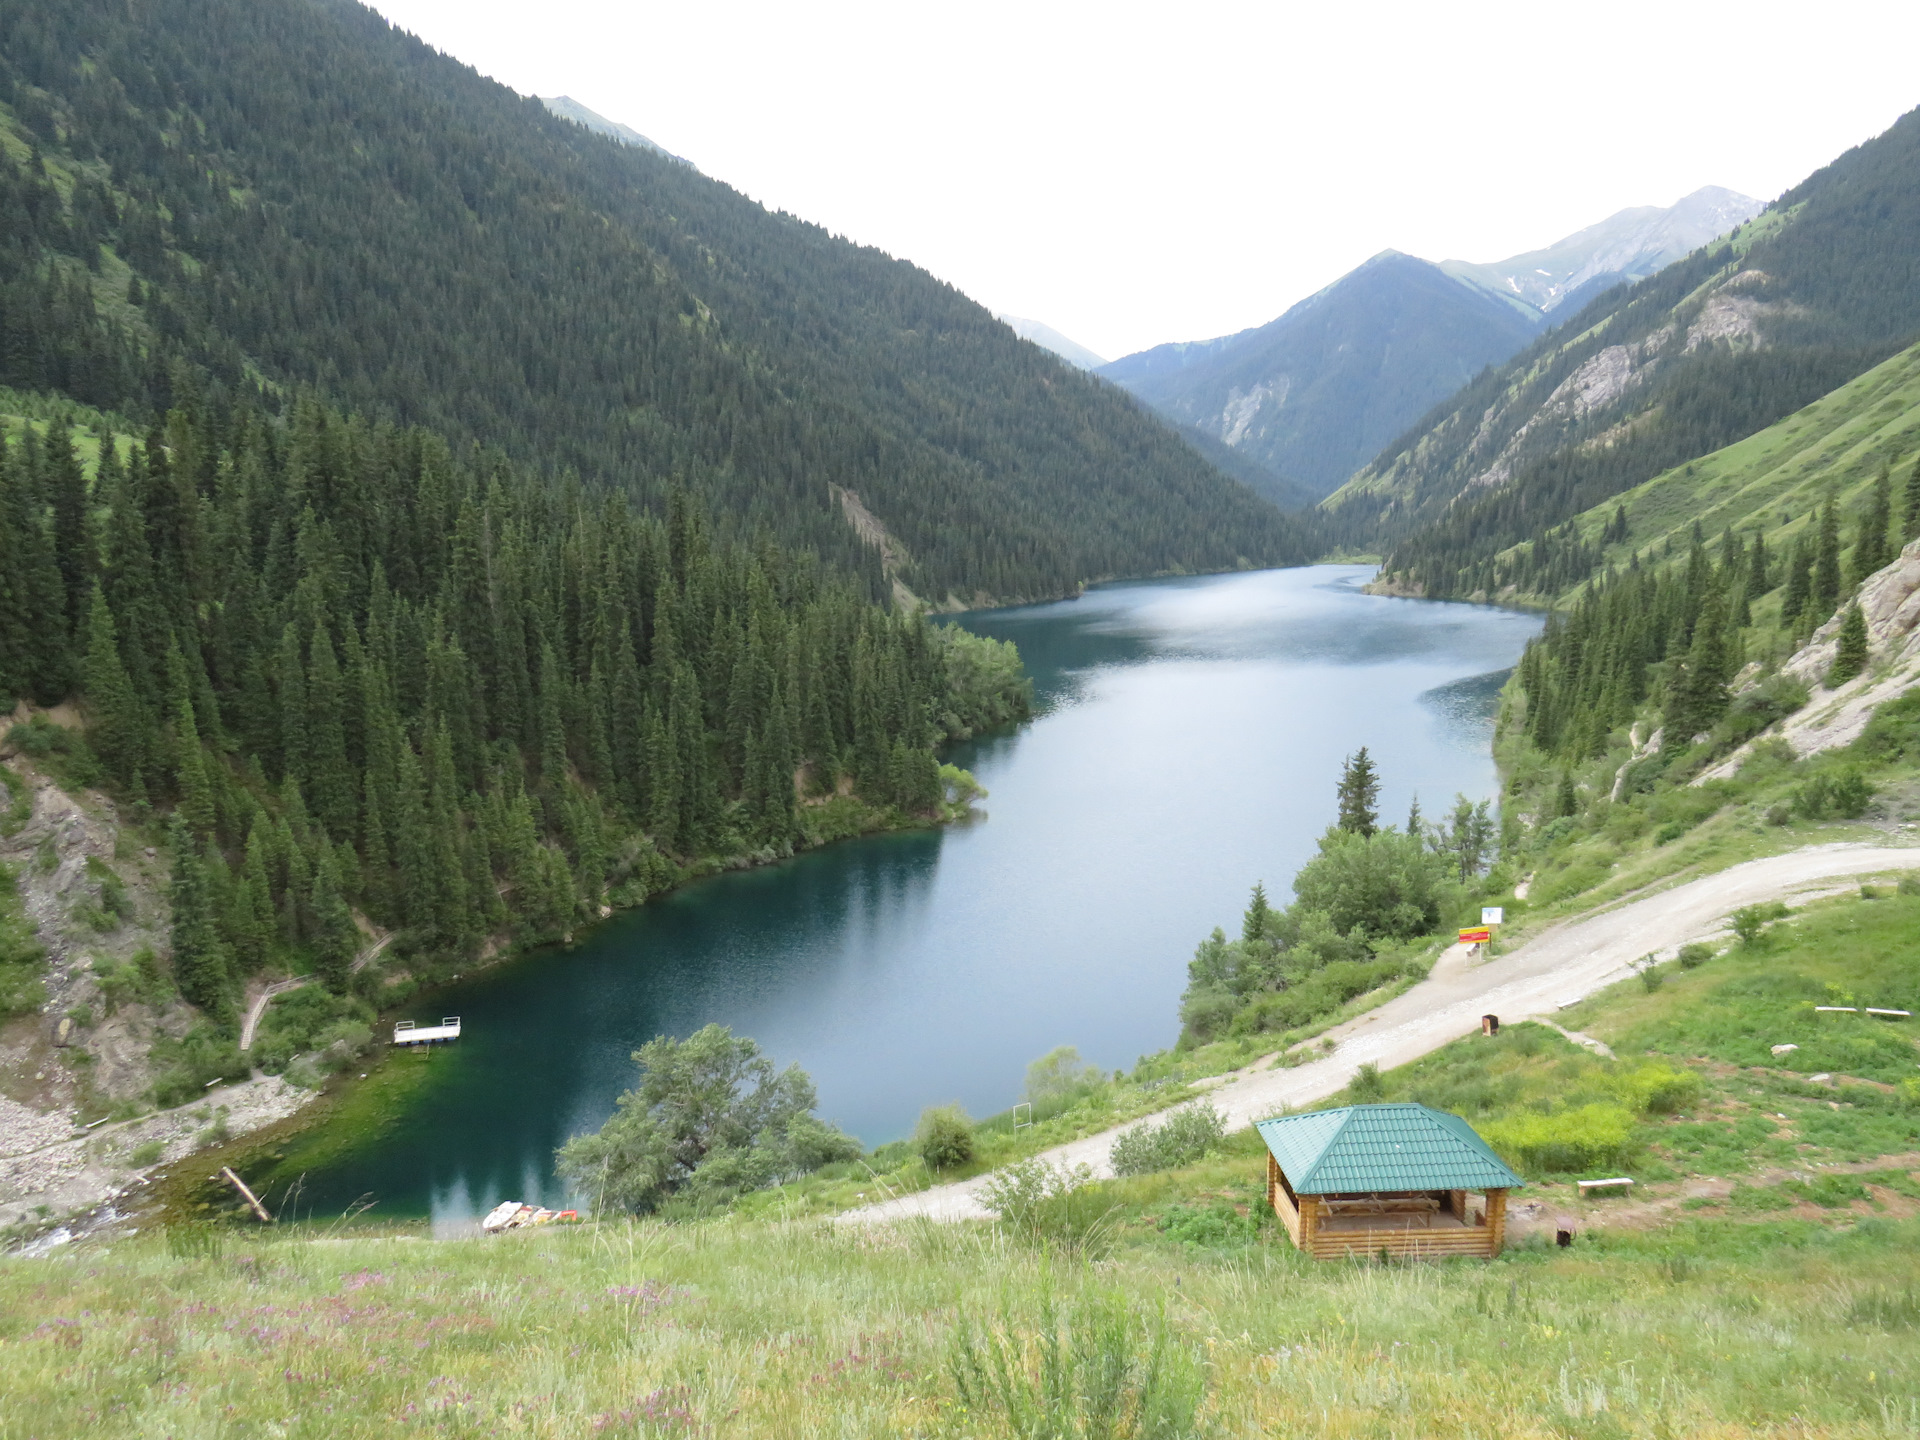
(1890, 601)
(75, 1128)
(68, 853)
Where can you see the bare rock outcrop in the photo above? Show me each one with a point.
(1890, 601)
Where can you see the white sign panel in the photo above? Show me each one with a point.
(1493, 915)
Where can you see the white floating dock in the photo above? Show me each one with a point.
(408, 1033)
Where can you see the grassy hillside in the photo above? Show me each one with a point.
(262, 195)
(1770, 484)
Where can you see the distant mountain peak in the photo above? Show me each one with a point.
(568, 108)
(1048, 338)
(1313, 394)
(1628, 245)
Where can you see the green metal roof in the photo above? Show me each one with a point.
(1363, 1148)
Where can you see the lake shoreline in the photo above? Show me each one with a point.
(748, 948)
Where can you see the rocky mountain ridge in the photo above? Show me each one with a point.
(1627, 246)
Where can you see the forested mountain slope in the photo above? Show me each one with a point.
(290, 192)
(1311, 395)
(1817, 290)
(356, 671)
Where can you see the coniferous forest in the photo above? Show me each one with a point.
(278, 193)
(359, 672)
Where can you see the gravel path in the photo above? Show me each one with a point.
(256, 1011)
(1555, 968)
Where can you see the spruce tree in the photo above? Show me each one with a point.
(329, 776)
(1253, 925)
(1910, 515)
(1566, 799)
(66, 490)
(1700, 697)
(1826, 564)
(1759, 578)
(1359, 795)
(200, 962)
(1799, 583)
(1872, 548)
(116, 728)
(335, 938)
(1851, 657)
(192, 782)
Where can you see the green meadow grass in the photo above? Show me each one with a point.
(756, 1328)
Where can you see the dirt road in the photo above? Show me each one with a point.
(1553, 969)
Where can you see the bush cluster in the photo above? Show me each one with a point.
(944, 1138)
(1182, 1138)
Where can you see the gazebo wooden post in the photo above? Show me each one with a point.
(1497, 1219)
(1309, 1222)
(1458, 1199)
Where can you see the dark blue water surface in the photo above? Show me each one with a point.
(1188, 738)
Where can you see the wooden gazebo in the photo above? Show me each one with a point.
(1402, 1179)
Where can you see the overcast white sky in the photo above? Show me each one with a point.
(1134, 174)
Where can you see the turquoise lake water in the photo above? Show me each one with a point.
(1188, 736)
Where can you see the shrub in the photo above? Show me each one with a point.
(21, 954)
(1367, 1086)
(1894, 730)
(1827, 796)
(1692, 957)
(1059, 1078)
(203, 1054)
(1110, 1370)
(62, 750)
(1390, 884)
(1656, 1088)
(1053, 1206)
(146, 1154)
(1182, 1138)
(1773, 699)
(1749, 922)
(1214, 1226)
(1566, 1141)
(944, 1137)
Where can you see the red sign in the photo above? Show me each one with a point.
(1481, 936)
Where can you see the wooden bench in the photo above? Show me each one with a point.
(1586, 1185)
(1420, 1207)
